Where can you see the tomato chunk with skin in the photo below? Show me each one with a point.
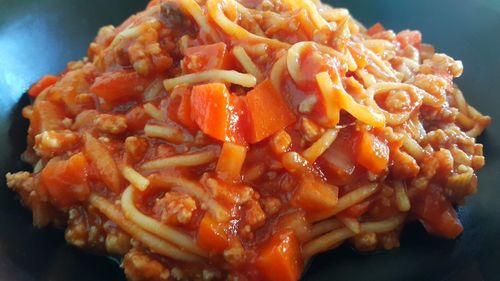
(42, 84)
(268, 112)
(66, 181)
(46, 116)
(183, 112)
(103, 162)
(373, 153)
(206, 57)
(279, 259)
(119, 86)
(211, 235)
(436, 213)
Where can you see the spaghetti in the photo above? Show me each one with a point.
(233, 140)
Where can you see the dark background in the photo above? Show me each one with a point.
(39, 37)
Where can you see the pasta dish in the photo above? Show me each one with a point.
(236, 139)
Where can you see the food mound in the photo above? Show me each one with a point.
(235, 139)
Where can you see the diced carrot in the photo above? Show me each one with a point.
(206, 57)
(268, 112)
(217, 113)
(230, 161)
(42, 84)
(279, 259)
(119, 86)
(102, 160)
(210, 109)
(373, 154)
(183, 113)
(376, 28)
(46, 116)
(313, 195)
(66, 180)
(211, 235)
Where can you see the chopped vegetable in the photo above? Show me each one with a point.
(119, 86)
(42, 84)
(269, 112)
(373, 153)
(184, 109)
(211, 235)
(137, 118)
(409, 37)
(230, 161)
(213, 111)
(206, 57)
(313, 195)
(66, 180)
(376, 28)
(340, 158)
(102, 160)
(436, 213)
(46, 116)
(280, 258)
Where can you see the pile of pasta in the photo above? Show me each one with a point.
(234, 140)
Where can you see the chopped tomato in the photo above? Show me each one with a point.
(211, 235)
(373, 153)
(119, 86)
(206, 57)
(42, 84)
(137, 118)
(183, 113)
(409, 37)
(103, 162)
(436, 213)
(376, 28)
(268, 112)
(279, 259)
(66, 180)
(46, 116)
(340, 158)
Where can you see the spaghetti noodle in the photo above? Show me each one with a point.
(233, 140)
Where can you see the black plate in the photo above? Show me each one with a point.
(39, 37)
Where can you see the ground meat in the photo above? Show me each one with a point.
(175, 208)
(85, 229)
(254, 215)
(235, 254)
(117, 242)
(271, 205)
(51, 143)
(365, 241)
(140, 266)
(135, 148)
(111, 124)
